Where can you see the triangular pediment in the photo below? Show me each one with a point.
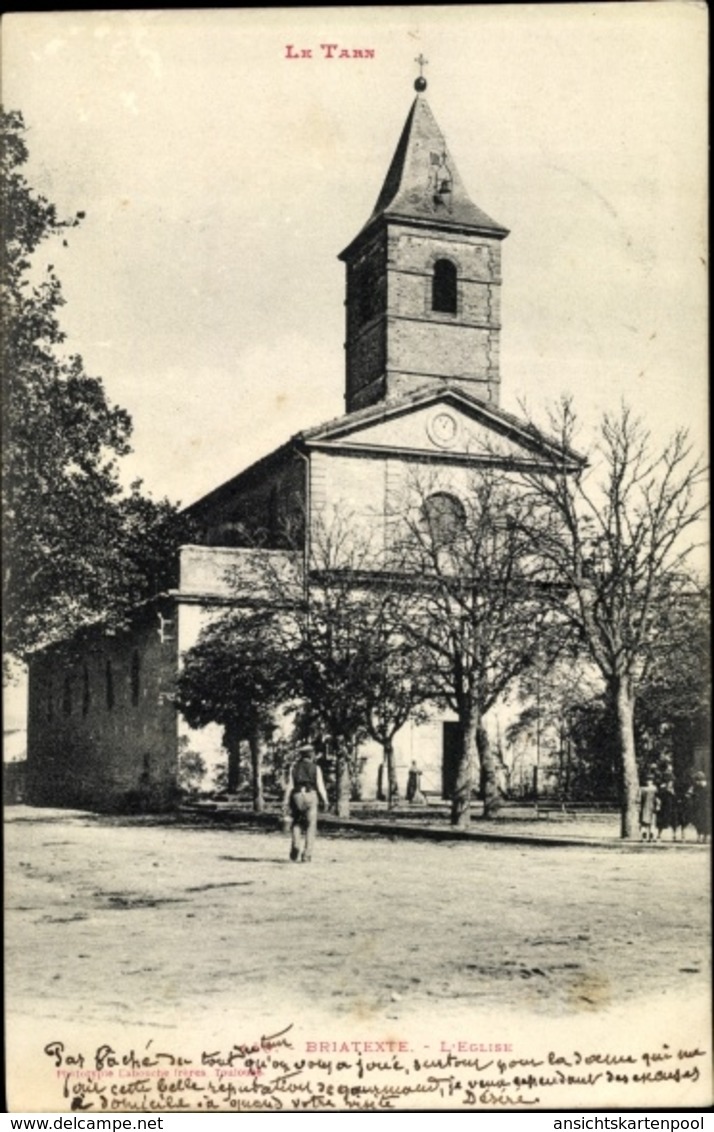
(445, 425)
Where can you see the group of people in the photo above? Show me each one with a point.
(662, 808)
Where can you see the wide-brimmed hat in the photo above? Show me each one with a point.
(306, 749)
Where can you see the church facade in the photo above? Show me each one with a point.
(422, 400)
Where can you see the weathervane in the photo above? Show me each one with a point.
(420, 83)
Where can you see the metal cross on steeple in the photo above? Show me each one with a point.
(420, 83)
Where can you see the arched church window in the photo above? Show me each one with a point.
(443, 287)
(444, 516)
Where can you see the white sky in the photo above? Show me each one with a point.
(221, 180)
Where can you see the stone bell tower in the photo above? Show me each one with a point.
(423, 278)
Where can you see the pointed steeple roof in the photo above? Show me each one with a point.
(423, 183)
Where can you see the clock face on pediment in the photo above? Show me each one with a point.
(442, 428)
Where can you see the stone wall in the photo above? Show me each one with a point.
(101, 724)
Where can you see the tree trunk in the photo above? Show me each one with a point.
(623, 702)
(568, 765)
(257, 750)
(468, 754)
(489, 778)
(231, 742)
(392, 784)
(355, 765)
(344, 784)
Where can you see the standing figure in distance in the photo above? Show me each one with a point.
(302, 790)
(700, 802)
(668, 811)
(414, 793)
(648, 809)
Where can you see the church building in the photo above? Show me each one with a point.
(422, 398)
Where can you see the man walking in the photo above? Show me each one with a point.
(649, 805)
(303, 788)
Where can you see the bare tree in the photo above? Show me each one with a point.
(344, 660)
(398, 676)
(614, 541)
(328, 662)
(477, 610)
(549, 693)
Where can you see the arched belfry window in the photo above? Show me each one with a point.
(444, 516)
(443, 287)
